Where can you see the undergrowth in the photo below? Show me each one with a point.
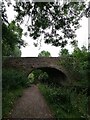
(66, 102)
(8, 99)
(13, 83)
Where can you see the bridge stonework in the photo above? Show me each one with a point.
(28, 64)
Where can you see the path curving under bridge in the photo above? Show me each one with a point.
(31, 105)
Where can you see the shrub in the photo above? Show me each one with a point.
(13, 78)
(66, 102)
(31, 78)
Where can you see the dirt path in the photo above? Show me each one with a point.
(31, 105)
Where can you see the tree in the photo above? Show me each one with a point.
(84, 49)
(87, 11)
(76, 53)
(11, 35)
(77, 64)
(80, 54)
(38, 76)
(74, 44)
(44, 54)
(11, 39)
(62, 21)
(63, 53)
(89, 47)
(16, 52)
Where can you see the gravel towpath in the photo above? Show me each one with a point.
(31, 105)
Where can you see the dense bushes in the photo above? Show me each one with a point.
(77, 66)
(66, 102)
(77, 70)
(12, 79)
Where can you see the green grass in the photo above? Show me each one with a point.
(13, 83)
(66, 102)
(8, 100)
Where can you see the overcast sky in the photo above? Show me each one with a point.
(31, 51)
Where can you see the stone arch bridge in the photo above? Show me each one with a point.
(51, 65)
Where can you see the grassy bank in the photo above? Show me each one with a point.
(66, 102)
(13, 83)
(9, 97)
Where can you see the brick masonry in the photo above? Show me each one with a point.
(27, 64)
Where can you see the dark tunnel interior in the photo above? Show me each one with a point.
(55, 75)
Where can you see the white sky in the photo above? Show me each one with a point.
(31, 51)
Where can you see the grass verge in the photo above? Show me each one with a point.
(8, 99)
(66, 102)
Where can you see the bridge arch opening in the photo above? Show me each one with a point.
(48, 75)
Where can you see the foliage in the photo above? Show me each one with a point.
(70, 101)
(11, 39)
(11, 35)
(31, 78)
(64, 52)
(51, 15)
(43, 77)
(61, 20)
(44, 54)
(87, 11)
(13, 83)
(12, 79)
(38, 76)
(74, 43)
(16, 52)
(8, 99)
(66, 102)
(4, 14)
(76, 65)
(81, 56)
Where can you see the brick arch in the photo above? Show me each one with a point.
(28, 64)
(54, 74)
(47, 67)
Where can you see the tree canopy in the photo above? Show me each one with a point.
(11, 35)
(56, 23)
(64, 52)
(11, 39)
(44, 54)
(61, 21)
